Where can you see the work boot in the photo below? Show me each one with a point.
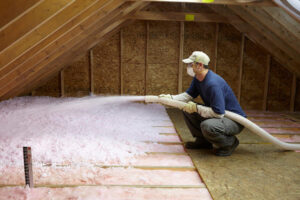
(227, 151)
(198, 145)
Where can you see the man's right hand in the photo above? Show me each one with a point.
(165, 96)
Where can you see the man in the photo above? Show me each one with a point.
(207, 123)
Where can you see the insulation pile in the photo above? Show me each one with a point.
(86, 141)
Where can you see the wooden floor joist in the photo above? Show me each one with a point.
(112, 185)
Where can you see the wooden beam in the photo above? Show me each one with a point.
(121, 64)
(91, 59)
(98, 31)
(146, 55)
(276, 28)
(79, 31)
(180, 64)
(216, 48)
(260, 40)
(179, 16)
(290, 9)
(46, 33)
(62, 83)
(10, 10)
(284, 19)
(252, 19)
(226, 2)
(293, 93)
(266, 87)
(30, 20)
(241, 67)
(65, 59)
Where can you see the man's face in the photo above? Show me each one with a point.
(197, 67)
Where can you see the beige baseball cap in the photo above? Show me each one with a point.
(199, 57)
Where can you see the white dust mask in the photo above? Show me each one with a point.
(190, 71)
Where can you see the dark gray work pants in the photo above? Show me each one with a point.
(219, 132)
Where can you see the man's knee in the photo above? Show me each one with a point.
(209, 129)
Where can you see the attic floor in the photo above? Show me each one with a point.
(257, 169)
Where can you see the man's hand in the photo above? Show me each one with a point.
(165, 96)
(190, 107)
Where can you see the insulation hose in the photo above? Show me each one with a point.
(233, 116)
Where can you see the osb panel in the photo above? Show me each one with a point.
(197, 37)
(50, 88)
(253, 78)
(297, 97)
(107, 66)
(163, 56)
(164, 6)
(134, 43)
(134, 79)
(162, 79)
(279, 88)
(133, 58)
(265, 170)
(228, 58)
(77, 78)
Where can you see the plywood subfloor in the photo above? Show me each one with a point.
(256, 170)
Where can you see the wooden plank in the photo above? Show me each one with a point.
(266, 85)
(253, 20)
(226, 2)
(95, 37)
(110, 185)
(216, 48)
(77, 32)
(91, 56)
(276, 28)
(179, 16)
(257, 38)
(29, 21)
(180, 64)
(291, 10)
(241, 67)
(297, 98)
(11, 10)
(146, 57)
(62, 83)
(45, 34)
(121, 67)
(293, 93)
(284, 19)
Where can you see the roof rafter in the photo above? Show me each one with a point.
(75, 47)
(179, 16)
(225, 2)
(259, 39)
(254, 21)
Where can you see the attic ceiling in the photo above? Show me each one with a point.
(39, 37)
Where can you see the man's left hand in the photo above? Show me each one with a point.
(190, 107)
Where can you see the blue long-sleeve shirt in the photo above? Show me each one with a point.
(216, 93)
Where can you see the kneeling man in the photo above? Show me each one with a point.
(207, 123)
